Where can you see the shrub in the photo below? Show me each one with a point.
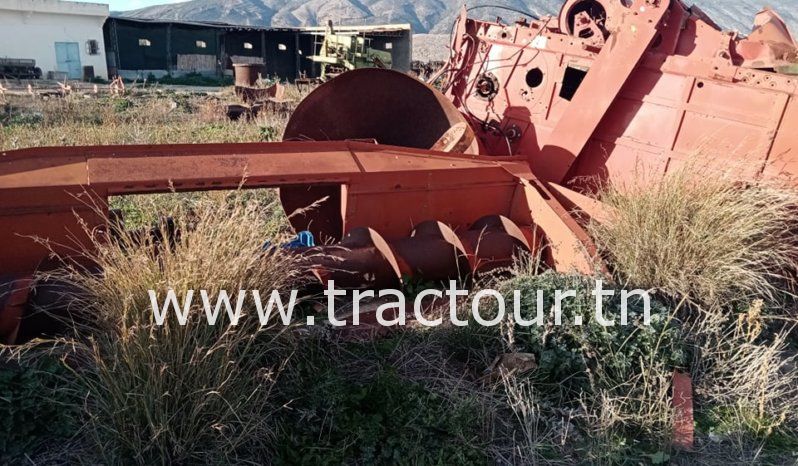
(24, 119)
(599, 387)
(39, 400)
(568, 353)
(122, 104)
(337, 414)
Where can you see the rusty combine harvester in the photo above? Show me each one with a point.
(409, 181)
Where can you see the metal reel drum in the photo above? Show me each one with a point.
(386, 106)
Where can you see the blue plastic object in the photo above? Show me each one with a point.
(303, 239)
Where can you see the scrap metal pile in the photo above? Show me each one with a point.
(399, 180)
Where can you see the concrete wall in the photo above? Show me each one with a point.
(30, 29)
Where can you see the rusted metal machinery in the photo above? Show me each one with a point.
(397, 179)
(615, 89)
(19, 68)
(338, 52)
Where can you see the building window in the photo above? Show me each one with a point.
(201, 44)
(92, 47)
(144, 43)
(281, 47)
(248, 46)
(388, 45)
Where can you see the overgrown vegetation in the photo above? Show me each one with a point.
(595, 393)
(159, 116)
(352, 403)
(727, 252)
(39, 399)
(712, 242)
(181, 393)
(123, 390)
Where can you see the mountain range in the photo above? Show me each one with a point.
(425, 16)
(431, 20)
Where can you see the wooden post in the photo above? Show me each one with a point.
(297, 66)
(263, 50)
(169, 48)
(222, 53)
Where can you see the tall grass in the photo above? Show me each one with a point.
(729, 251)
(174, 393)
(710, 240)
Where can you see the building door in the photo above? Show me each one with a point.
(67, 54)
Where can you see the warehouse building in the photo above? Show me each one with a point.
(64, 39)
(136, 48)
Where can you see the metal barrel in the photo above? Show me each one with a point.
(246, 74)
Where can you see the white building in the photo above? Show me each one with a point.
(61, 36)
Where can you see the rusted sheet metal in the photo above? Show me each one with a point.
(683, 422)
(770, 44)
(377, 104)
(568, 247)
(392, 189)
(386, 107)
(141, 169)
(636, 29)
(252, 95)
(13, 300)
(61, 194)
(137, 169)
(51, 183)
(433, 251)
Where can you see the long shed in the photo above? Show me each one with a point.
(136, 48)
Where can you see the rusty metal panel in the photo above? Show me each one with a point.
(783, 161)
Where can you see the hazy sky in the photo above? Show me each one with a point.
(122, 5)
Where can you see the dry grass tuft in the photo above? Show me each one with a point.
(745, 371)
(712, 241)
(182, 393)
(535, 436)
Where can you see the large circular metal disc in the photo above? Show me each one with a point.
(387, 106)
(372, 103)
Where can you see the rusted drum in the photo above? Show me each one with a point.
(373, 104)
(246, 74)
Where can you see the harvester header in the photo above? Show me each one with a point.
(396, 178)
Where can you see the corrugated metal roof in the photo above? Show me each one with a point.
(242, 27)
